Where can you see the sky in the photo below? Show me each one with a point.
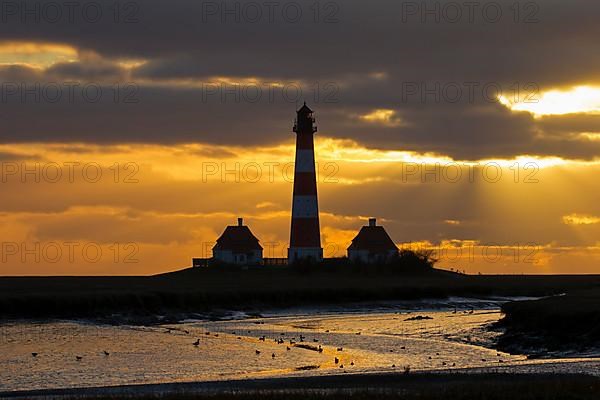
(133, 133)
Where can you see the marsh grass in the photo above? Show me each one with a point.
(467, 387)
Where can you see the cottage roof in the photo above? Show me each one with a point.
(238, 239)
(374, 239)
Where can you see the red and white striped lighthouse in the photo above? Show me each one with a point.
(305, 235)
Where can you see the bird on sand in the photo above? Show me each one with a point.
(257, 351)
(78, 358)
(106, 353)
(34, 354)
(196, 343)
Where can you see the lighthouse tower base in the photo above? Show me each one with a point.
(305, 253)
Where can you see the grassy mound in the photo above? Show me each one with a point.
(561, 323)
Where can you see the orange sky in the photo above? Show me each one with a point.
(151, 208)
(174, 128)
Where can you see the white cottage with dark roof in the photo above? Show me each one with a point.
(237, 245)
(372, 245)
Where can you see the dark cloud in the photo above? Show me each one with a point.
(18, 73)
(564, 125)
(178, 115)
(89, 70)
(368, 54)
(183, 38)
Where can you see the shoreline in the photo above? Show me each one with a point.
(207, 293)
(424, 305)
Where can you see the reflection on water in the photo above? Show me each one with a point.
(274, 346)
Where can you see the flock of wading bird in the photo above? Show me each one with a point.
(78, 358)
(291, 342)
(301, 343)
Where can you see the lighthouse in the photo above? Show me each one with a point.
(305, 234)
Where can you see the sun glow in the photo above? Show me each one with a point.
(592, 136)
(538, 162)
(35, 54)
(382, 116)
(580, 99)
(580, 219)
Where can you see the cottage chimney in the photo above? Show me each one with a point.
(240, 221)
(372, 222)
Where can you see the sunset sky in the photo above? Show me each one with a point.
(144, 130)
